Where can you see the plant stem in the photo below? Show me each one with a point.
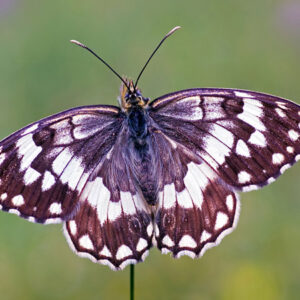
(131, 282)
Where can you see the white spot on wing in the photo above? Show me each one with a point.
(271, 180)
(55, 208)
(294, 135)
(63, 134)
(18, 200)
(205, 236)
(277, 158)
(2, 158)
(72, 173)
(196, 181)
(73, 227)
(30, 176)
(290, 149)
(48, 181)
(185, 252)
(167, 241)
(127, 203)
(281, 105)
(242, 149)
(3, 196)
(93, 192)
(27, 151)
(141, 245)
(258, 139)
(187, 241)
(123, 251)
(229, 202)
(243, 94)
(114, 210)
(216, 149)
(284, 168)
(105, 252)
(213, 108)
(280, 112)
(222, 134)
(61, 161)
(244, 177)
(184, 199)
(156, 231)
(221, 220)
(30, 129)
(14, 211)
(86, 242)
(252, 114)
(149, 229)
(167, 198)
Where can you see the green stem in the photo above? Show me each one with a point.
(131, 282)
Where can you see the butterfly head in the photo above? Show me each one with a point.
(131, 96)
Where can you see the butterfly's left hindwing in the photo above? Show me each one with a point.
(45, 166)
(114, 225)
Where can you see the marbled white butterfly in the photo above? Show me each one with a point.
(165, 172)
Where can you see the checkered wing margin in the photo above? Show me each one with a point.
(216, 142)
(45, 166)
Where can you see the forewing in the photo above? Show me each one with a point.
(45, 166)
(247, 138)
(196, 208)
(114, 224)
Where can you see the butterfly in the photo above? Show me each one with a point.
(162, 173)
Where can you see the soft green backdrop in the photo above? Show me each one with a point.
(243, 44)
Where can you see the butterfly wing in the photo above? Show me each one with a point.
(195, 207)
(216, 142)
(248, 138)
(114, 225)
(45, 166)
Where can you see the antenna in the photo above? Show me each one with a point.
(91, 51)
(158, 46)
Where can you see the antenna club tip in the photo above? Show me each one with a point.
(173, 30)
(77, 43)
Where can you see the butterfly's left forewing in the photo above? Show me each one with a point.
(218, 142)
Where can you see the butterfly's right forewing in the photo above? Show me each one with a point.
(45, 166)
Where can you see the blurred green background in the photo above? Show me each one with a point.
(243, 44)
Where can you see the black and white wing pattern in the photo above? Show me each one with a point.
(45, 166)
(216, 142)
(71, 168)
(179, 190)
(114, 224)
